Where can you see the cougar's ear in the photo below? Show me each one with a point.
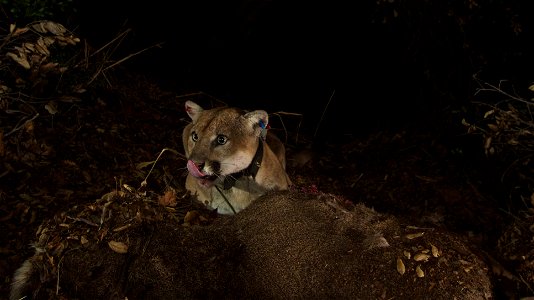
(259, 120)
(193, 110)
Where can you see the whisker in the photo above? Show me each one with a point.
(219, 176)
(231, 176)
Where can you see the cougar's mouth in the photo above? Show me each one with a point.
(203, 178)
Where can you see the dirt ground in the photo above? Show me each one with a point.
(106, 137)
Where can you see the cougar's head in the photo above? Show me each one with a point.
(221, 141)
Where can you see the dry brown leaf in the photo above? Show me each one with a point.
(493, 127)
(48, 67)
(20, 31)
(29, 127)
(489, 113)
(191, 216)
(51, 107)
(21, 60)
(4, 89)
(168, 199)
(419, 272)
(67, 40)
(435, 250)
(41, 47)
(39, 27)
(421, 257)
(411, 236)
(29, 46)
(400, 266)
(54, 28)
(118, 247)
(49, 41)
(121, 228)
(487, 143)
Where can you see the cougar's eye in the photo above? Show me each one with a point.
(194, 136)
(221, 139)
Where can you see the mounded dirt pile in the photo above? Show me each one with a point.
(285, 245)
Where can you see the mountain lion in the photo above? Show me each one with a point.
(232, 159)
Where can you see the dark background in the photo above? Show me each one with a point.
(390, 63)
(383, 64)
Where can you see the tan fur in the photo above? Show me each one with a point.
(25, 280)
(241, 131)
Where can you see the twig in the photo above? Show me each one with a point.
(58, 272)
(279, 115)
(498, 89)
(284, 127)
(515, 162)
(83, 220)
(95, 75)
(323, 114)
(144, 183)
(130, 56)
(121, 35)
(225, 199)
(21, 126)
(102, 69)
(202, 94)
(526, 283)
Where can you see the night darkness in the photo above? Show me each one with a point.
(389, 64)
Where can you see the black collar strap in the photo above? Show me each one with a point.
(251, 170)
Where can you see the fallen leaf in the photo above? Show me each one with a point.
(21, 60)
(168, 199)
(118, 247)
(51, 107)
(191, 216)
(400, 266)
(419, 272)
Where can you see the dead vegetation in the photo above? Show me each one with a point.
(62, 122)
(506, 125)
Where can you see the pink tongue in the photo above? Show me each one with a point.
(193, 169)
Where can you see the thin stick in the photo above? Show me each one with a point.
(279, 115)
(324, 112)
(19, 127)
(111, 42)
(225, 199)
(144, 183)
(58, 271)
(131, 55)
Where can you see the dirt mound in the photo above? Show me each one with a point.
(286, 244)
